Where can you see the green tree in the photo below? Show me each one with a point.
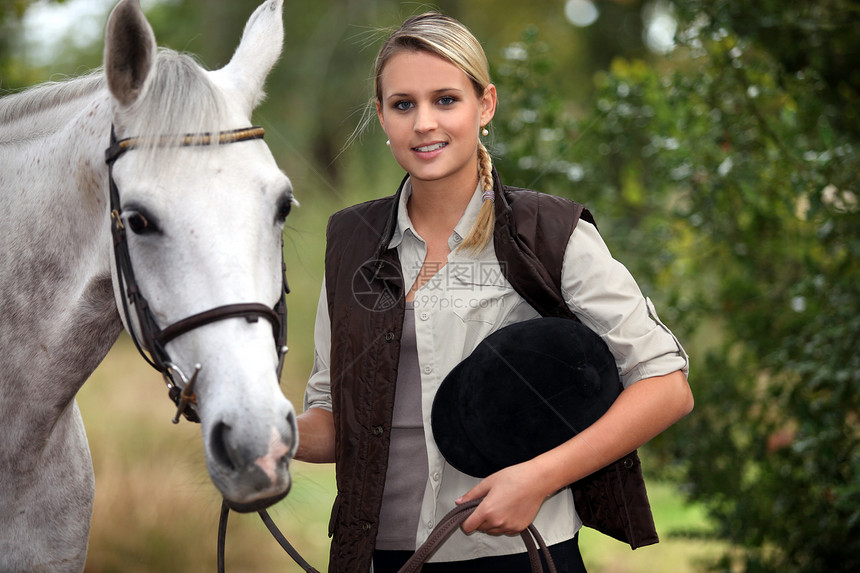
(13, 72)
(725, 177)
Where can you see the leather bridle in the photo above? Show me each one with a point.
(152, 337)
(156, 338)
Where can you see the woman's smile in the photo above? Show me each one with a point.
(432, 114)
(430, 150)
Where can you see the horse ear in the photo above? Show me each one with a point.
(129, 51)
(257, 53)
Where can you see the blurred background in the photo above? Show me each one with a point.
(716, 142)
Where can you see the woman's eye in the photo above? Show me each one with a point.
(402, 105)
(447, 100)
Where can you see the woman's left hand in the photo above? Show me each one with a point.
(512, 498)
(514, 495)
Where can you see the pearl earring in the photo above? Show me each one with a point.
(485, 132)
(388, 142)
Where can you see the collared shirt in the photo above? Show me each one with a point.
(469, 298)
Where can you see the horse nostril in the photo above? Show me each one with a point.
(218, 444)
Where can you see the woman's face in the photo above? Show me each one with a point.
(432, 116)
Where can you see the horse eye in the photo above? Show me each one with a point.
(139, 224)
(284, 208)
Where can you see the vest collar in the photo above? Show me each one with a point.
(502, 207)
(391, 235)
(390, 223)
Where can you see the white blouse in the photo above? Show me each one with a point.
(468, 299)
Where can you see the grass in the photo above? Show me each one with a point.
(156, 510)
(676, 553)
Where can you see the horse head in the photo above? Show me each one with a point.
(203, 219)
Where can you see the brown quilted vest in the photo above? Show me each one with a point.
(364, 286)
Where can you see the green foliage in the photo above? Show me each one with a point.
(14, 9)
(722, 175)
(725, 178)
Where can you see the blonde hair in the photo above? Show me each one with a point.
(447, 38)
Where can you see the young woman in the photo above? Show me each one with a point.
(413, 284)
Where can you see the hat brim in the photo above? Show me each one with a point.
(525, 389)
(453, 439)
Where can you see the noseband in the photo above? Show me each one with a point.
(152, 337)
(155, 338)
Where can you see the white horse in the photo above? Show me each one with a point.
(203, 227)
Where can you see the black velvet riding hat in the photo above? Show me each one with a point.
(525, 389)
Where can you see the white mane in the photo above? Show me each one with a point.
(179, 99)
(49, 95)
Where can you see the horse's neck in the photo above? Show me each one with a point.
(56, 300)
(53, 194)
(46, 109)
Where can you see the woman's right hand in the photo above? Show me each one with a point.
(316, 436)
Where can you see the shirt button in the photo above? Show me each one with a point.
(389, 336)
(436, 476)
(377, 430)
(428, 369)
(425, 315)
(430, 524)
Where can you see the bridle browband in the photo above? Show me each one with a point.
(154, 338)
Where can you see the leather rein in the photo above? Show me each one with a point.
(154, 339)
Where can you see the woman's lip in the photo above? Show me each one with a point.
(430, 150)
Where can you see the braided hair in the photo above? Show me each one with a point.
(449, 39)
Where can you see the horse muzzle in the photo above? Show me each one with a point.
(249, 468)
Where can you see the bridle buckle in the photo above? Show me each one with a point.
(186, 393)
(152, 336)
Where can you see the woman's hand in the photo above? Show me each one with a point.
(316, 436)
(514, 495)
(512, 498)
